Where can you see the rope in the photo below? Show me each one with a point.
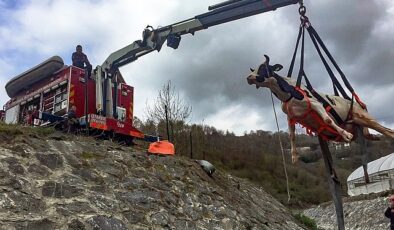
(281, 148)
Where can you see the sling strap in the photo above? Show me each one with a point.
(319, 46)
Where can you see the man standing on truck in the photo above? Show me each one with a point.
(80, 60)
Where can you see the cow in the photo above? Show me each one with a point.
(302, 106)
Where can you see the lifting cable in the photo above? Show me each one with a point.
(319, 46)
(281, 148)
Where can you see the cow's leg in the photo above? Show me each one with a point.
(316, 106)
(294, 154)
(363, 118)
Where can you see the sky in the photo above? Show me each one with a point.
(208, 69)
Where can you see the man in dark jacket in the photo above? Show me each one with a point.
(389, 213)
(73, 123)
(80, 60)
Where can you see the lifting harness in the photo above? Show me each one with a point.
(317, 41)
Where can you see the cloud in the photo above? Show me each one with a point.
(209, 68)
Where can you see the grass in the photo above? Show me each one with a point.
(308, 222)
(90, 155)
(12, 130)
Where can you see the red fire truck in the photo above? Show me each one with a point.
(47, 92)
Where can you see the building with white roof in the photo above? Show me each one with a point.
(381, 176)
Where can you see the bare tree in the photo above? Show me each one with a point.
(169, 107)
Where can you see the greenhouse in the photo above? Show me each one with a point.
(381, 176)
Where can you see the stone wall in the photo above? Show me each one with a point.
(84, 183)
(359, 215)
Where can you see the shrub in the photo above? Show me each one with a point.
(308, 222)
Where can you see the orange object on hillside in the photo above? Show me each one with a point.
(162, 148)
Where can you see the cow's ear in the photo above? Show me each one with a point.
(277, 67)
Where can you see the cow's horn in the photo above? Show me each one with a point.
(251, 69)
(267, 59)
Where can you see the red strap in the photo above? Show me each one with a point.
(323, 126)
(364, 106)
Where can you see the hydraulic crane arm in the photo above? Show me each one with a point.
(153, 39)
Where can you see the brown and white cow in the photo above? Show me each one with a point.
(296, 103)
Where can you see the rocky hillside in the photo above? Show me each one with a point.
(55, 181)
(363, 214)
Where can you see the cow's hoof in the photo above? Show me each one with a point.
(347, 136)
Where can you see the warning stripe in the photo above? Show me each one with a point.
(136, 134)
(98, 126)
(72, 93)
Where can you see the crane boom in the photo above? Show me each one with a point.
(153, 39)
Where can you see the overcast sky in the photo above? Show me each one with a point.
(209, 68)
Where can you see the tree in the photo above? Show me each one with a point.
(169, 107)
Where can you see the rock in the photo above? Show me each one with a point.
(60, 190)
(74, 208)
(38, 170)
(106, 223)
(19, 150)
(88, 174)
(40, 225)
(111, 168)
(73, 160)
(72, 183)
(362, 214)
(138, 198)
(52, 161)
(160, 218)
(76, 224)
(133, 183)
(19, 202)
(3, 173)
(57, 136)
(104, 203)
(134, 217)
(207, 167)
(184, 224)
(15, 184)
(14, 166)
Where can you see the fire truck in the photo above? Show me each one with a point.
(45, 93)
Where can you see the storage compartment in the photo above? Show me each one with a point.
(12, 115)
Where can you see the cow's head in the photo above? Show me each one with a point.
(262, 73)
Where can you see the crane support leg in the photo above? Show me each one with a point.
(99, 91)
(333, 182)
(364, 153)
